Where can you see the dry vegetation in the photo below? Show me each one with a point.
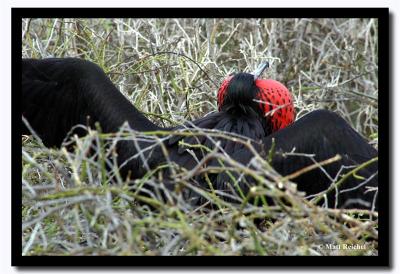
(171, 69)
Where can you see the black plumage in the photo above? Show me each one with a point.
(314, 138)
(59, 93)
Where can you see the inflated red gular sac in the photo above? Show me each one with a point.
(242, 95)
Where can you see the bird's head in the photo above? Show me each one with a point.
(243, 94)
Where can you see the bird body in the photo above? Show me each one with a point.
(59, 93)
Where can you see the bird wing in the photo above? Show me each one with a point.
(321, 133)
(59, 93)
(314, 138)
(325, 134)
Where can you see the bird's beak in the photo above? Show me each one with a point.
(263, 66)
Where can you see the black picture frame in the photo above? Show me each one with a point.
(382, 260)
